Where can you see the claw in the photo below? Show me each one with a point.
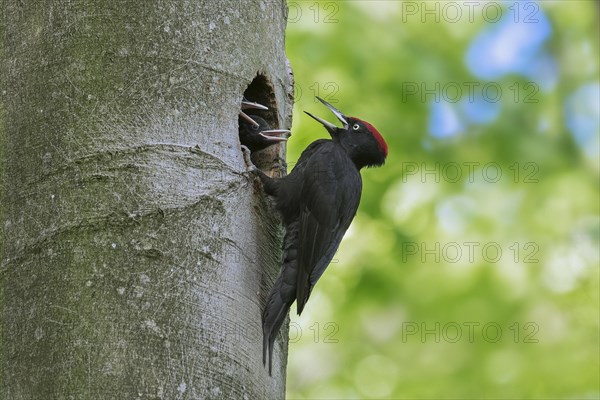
(250, 167)
(280, 165)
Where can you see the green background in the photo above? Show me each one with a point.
(418, 303)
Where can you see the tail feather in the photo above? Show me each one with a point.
(282, 295)
(273, 317)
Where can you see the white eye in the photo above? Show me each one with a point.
(356, 127)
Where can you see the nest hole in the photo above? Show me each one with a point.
(261, 91)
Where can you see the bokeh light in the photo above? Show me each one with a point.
(472, 268)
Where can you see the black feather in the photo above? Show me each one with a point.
(317, 202)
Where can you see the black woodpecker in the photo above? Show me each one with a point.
(255, 132)
(258, 137)
(317, 202)
(246, 104)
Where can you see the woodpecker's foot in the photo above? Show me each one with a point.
(280, 166)
(250, 167)
(279, 161)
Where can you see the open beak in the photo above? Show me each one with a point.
(247, 118)
(253, 106)
(331, 128)
(249, 104)
(271, 135)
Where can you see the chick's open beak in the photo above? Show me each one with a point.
(246, 104)
(271, 135)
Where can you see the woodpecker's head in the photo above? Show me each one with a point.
(363, 143)
(255, 132)
(259, 136)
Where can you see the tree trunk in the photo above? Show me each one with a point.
(136, 253)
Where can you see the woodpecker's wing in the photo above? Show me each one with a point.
(329, 200)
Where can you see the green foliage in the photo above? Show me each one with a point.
(418, 302)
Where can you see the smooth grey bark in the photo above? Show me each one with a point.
(136, 253)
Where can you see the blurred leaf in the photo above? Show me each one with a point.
(424, 304)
